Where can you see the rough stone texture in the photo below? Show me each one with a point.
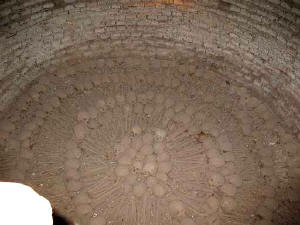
(257, 43)
(237, 55)
(99, 135)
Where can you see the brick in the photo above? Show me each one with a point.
(275, 1)
(5, 12)
(80, 5)
(48, 5)
(36, 9)
(26, 12)
(15, 16)
(69, 1)
(36, 16)
(235, 8)
(69, 7)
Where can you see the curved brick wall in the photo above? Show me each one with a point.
(253, 43)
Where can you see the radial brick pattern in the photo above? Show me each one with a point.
(154, 112)
(131, 147)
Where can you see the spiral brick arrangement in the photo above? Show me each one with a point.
(154, 112)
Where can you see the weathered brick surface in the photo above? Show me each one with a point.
(257, 41)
